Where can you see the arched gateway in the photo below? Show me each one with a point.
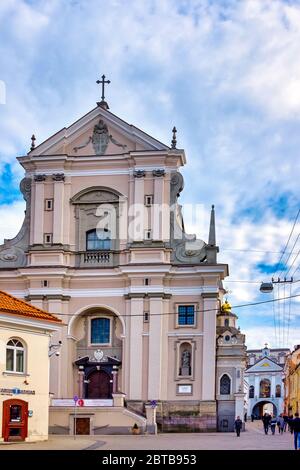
(264, 406)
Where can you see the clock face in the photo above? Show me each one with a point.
(98, 355)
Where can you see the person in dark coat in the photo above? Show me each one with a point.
(290, 423)
(266, 421)
(286, 419)
(296, 430)
(238, 426)
(273, 423)
(252, 418)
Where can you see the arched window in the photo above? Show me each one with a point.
(278, 391)
(226, 322)
(100, 331)
(97, 239)
(15, 354)
(265, 388)
(251, 391)
(225, 385)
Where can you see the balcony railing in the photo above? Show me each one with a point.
(97, 258)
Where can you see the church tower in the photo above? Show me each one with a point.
(231, 364)
(103, 247)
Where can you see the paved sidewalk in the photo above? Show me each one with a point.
(253, 439)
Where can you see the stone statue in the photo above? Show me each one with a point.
(186, 358)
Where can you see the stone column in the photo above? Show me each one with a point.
(136, 348)
(115, 379)
(273, 386)
(155, 348)
(38, 222)
(209, 345)
(58, 211)
(80, 382)
(151, 426)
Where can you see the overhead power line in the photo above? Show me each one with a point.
(286, 245)
(199, 311)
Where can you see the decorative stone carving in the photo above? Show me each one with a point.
(100, 139)
(159, 172)
(95, 197)
(40, 178)
(139, 173)
(12, 252)
(58, 177)
(98, 355)
(8, 256)
(187, 248)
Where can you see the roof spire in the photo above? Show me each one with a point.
(174, 140)
(212, 228)
(103, 103)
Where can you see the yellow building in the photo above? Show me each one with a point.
(292, 382)
(25, 333)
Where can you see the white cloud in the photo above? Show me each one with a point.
(11, 219)
(257, 337)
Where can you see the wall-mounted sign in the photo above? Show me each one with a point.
(16, 391)
(184, 389)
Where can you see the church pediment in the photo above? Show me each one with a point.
(98, 133)
(265, 365)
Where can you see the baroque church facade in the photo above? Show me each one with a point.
(103, 247)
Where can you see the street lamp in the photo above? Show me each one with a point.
(266, 287)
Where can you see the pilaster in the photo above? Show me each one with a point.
(155, 348)
(136, 348)
(210, 306)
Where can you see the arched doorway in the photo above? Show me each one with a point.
(262, 407)
(99, 385)
(15, 420)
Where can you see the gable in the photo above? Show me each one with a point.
(265, 365)
(98, 133)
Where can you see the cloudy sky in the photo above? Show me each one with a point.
(225, 72)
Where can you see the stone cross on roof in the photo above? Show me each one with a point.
(103, 82)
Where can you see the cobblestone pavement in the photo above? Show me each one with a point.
(253, 439)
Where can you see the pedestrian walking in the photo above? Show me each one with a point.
(238, 426)
(290, 424)
(280, 424)
(273, 423)
(286, 419)
(296, 430)
(245, 417)
(252, 418)
(266, 421)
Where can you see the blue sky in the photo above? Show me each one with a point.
(226, 73)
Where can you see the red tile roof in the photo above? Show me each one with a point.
(10, 304)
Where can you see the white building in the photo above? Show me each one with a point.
(265, 380)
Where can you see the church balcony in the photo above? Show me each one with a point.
(97, 258)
